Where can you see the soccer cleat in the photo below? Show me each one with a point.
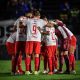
(73, 72)
(28, 73)
(45, 72)
(50, 73)
(20, 72)
(13, 73)
(59, 72)
(55, 70)
(36, 72)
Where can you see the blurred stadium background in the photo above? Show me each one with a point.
(66, 10)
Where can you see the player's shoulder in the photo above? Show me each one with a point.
(41, 19)
(23, 17)
(13, 34)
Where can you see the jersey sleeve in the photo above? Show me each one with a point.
(12, 38)
(62, 32)
(15, 23)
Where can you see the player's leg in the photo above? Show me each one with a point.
(19, 62)
(37, 63)
(17, 51)
(50, 65)
(27, 64)
(56, 60)
(61, 61)
(20, 71)
(45, 60)
(29, 49)
(30, 69)
(71, 54)
(11, 51)
(55, 63)
(66, 58)
(61, 57)
(37, 48)
(72, 59)
(50, 54)
(22, 51)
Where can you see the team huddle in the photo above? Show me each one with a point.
(33, 35)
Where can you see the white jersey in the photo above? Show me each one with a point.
(51, 38)
(21, 19)
(68, 31)
(33, 34)
(12, 38)
(20, 36)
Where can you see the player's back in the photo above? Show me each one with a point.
(33, 34)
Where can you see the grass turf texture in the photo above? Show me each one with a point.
(5, 69)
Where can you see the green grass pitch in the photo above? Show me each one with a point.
(5, 68)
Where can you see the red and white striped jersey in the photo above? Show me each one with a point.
(68, 31)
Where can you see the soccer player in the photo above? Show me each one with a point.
(33, 42)
(50, 42)
(72, 47)
(20, 38)
(20, 24)
(63, 51)
(10, 45)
